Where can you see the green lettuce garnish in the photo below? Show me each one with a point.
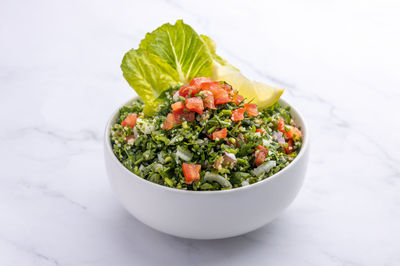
(148, 75)
(168, 56)
(148, 71)
(182, 48)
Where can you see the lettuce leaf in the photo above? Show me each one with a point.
(175, 54)
(148, 75)
(182, 48)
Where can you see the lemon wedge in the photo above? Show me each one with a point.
(261, 94)
(266, 95)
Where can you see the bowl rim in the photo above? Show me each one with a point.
(304, 147)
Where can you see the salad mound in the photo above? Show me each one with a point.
(205, 136)
(199, 124)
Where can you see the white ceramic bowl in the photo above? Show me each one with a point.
(207, 214)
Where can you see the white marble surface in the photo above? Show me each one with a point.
(60, 80)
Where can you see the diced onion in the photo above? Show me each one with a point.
(266, 142)
(281, 140)
(160, 158)
(185, 155)
(264, 168)
(173, 140)
(245, 183)
(278, 136)
(231, 156)
(175, 97)
(217, 178)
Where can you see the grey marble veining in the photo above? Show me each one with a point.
(60, 81)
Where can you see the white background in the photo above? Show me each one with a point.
(60, 80)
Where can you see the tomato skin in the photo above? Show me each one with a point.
(187, 90)
(189, 116)
(238, 114)
(294, 133)
(262, 149)
(177, 107)
(178, 118)
(169, 123)
(191, 172)
(184, 114)
(281, 125)
(220, 134)
(290, 147)
(221, 96)
(226, 87)
(196, 82)
(260, 155)
(237, 99)
(210, 86)
(208, 99)
(260, 158)
(195, 104)
(130, 121)
(251, 109)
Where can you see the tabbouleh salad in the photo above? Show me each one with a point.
(199, 123)
(205, 136)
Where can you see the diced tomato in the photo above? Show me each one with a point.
(237, 114)
(196, 82)
(177, 107)
(210, 85)
(188, 116)
(262, 149)
(187, 90)
(169, 123)
(191, 172)
(220, 134)
(222, 99)
(177, 118)
(294, 133)
(260, 130)
(281, 125)
(251, 109)
(260, 154)
(195, 104)
(290, 147)
(260, 157)
(237, 99)
(209, 99)
(221, 96)
(184, 115)
(226, 87)
(130, 121)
